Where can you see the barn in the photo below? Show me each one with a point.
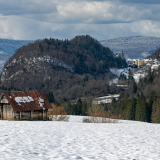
(25, 105)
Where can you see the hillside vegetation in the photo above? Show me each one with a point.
(140, 102)
(155, 54)
(68, 68)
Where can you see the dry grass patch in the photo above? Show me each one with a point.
(99, 120)
(58, 113)
(97, 114)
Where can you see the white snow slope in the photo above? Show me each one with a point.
(52, 140)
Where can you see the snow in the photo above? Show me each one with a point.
(27, 99)
(113, 81)
(125, 71)
(73, 140)
(138, 76)
(117, 72)
(41, 102)
(109, 96)
(148, 60)
(155, 65)
(122, 86)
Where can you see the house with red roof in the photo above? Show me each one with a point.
(25, 105)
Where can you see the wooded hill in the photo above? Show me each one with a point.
(68, 68)
(155, 54)
(140, 101)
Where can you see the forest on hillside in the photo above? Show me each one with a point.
(155, 54)
(69, 69)
(140, 102)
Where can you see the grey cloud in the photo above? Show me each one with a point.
(129, 1)
(93, 12)
(141, 1)
(68, 18)
(104, 13)
(29, 7)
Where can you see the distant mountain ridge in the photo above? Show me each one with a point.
(133, 47)
(8, 47)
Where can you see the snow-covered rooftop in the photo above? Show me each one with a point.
(26, 99)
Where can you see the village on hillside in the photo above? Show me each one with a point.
(139, 68)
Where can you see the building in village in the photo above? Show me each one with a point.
(150, 61)
(139, 62)
(154, 67)
(26, 105)
(105, 99)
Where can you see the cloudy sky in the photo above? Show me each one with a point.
(102, 19)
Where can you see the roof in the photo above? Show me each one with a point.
(148, 60)
(27, 100)
(155, 65)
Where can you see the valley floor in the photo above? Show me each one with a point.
(125, 140)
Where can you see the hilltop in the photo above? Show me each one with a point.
(133, 47)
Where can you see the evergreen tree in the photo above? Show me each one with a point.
(134, 87)
(140, 114)
(152, 98)
(84, 108)
(122, 108)
(79, 107)
(50, 97)
(150, 77)
(131, 109)
(122, 77)
(130, 75)
(156, 111)
(113, 105)
(68, 108)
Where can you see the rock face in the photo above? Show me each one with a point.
(133, 47)
(61, 66)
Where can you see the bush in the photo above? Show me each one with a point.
(99, 120)
(60, 118)
(97, 111)
(58, 113)
(98, 115)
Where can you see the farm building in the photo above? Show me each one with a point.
(105, 99)
(31, 105)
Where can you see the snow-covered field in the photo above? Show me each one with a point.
(54, 140)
